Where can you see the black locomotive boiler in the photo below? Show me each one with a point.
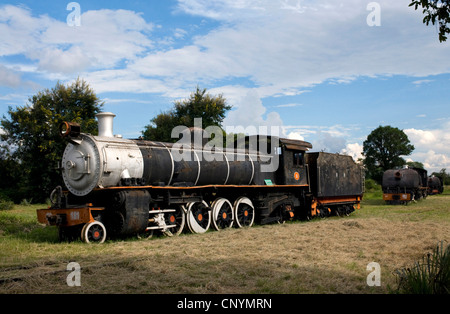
(401, 186)
(116, 186)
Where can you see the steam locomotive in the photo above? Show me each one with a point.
(401, 186)
(120, 187)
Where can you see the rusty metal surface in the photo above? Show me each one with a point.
(128, 212)
(334, 175)
(402, 179)
(66, 217)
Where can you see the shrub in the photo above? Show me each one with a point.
(431, 276)
(5, 203)
(371, 185)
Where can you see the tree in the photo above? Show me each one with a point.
(32, 133)
(443, 175)
(435, 11)
(212, 110)
(383, 148)
(10, 170)
(415, 164)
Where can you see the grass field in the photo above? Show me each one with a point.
(320, 256)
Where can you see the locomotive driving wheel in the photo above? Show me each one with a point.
(222, 213)
(93, 232)
(176, 218)
(244, 212)
(198, 216)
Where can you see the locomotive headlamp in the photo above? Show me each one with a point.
(69, 129)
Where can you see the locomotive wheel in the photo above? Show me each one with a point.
(222, 214)
(177, 218)
(198, 217)
(244, 212)
(324, 212)
(93, 232)
(145, 235)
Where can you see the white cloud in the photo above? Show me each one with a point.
(282, 47)
(431, 160)
(105, 36)
(436, 139)
(249, 114)
(327, 142)
(8, 77)
(60, 61)
(431, 147)
(295, 136)
(11, 77)
(226, 10)
(420, 82)
(355, 150)
(20, 31)
(307, 48)
(179, 33)
(104, 39)
(291, 105)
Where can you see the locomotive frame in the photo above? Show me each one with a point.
(109, 195)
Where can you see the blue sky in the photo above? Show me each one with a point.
(315, 69)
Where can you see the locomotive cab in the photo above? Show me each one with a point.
(292, 169)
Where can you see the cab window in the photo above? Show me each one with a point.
(298, 158)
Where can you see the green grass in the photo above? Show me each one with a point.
(437, 209)
(212, 262)
(21, 223)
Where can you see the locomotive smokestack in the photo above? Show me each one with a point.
(105, 123)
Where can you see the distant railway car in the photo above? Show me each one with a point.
(435, 185)
(401, 186)
(117, 187)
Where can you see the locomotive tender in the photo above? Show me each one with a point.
(119, 186)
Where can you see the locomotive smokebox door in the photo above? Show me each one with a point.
(292, 169)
